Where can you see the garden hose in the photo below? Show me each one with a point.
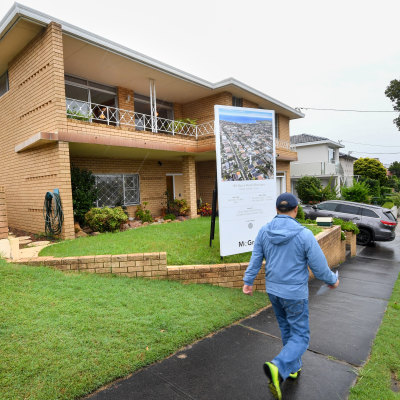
(52, 213)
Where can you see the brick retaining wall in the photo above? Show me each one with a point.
(154, 265)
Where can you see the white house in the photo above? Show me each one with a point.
(320, 157)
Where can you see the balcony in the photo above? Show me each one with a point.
(319, 168)
(91, 112)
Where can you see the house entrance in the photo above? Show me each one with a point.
(175, 186)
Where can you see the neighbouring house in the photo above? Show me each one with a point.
(347, 169)
(320, 157)
(69, 97)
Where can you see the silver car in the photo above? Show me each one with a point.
(375, 223)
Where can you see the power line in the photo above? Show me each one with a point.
(337, 109)
(363, 152)
(366, 144)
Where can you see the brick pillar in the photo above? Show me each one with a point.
(3, 215)
(189, 184)
(126, 99)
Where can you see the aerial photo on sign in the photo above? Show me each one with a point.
(246, 141)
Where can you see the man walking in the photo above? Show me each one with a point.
(288, 248)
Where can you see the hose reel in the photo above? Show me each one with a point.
(53, 213)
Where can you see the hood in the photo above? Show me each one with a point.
(282, 229)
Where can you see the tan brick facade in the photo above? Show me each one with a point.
(3, 215)
(35, 105)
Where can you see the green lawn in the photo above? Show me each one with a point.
(378, 377)
(185, 243)
(64, 335)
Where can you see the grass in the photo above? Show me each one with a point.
(185, 243)
(378, 377)
(64, 335)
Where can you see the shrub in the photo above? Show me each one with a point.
(347, 226)
(84, 192)
(178, 207)
(300, 213)
(169, 216)
(204, 210)
(359, 192)
(142, 213)
(310, 190)
(105, 219)
(395, 198)
(388, 204)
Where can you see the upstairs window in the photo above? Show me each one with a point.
(276, 126)
(237, 101)
(3, 83)
(331, 155)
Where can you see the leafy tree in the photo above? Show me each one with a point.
(370, 168)
(84, 192)
(393, 92)
(310, 190)
(359, 192)
(395, 168)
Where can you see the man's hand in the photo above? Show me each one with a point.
(335, 285)
(248, 289)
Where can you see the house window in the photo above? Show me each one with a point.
(276, 126)
(237, 101)
(165, 110)
(117, 190)
(91, 100)
(3, 83)
(331, 155)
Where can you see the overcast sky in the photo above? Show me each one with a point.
(310, 53)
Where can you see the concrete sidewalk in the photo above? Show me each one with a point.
(228, 365)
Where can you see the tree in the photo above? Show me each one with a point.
(84, 192)
(393, 92)
(395, 168)
(370, 168)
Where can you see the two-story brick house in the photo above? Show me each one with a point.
(69, 97)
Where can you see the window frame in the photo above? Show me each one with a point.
(237, 101)
(123, 176)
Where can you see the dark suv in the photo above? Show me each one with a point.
(375, 223)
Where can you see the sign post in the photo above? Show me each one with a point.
(246, 175)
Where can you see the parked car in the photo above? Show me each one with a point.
(375, 223)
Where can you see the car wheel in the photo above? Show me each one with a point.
(364, 237)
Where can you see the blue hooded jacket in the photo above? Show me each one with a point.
(288, 248)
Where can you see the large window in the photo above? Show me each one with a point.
(117, 190)
(331, 155)
(3, 83)
(82, 95)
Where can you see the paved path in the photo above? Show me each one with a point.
(228, 365)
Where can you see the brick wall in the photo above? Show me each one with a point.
(3, 215)
(206, 172)
(154, 265)
(34, 103)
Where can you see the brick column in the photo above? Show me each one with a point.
(189, 183)
(3, 215)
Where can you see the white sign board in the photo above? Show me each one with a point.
(246, 175)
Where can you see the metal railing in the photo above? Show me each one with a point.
(91, 112)
(318, 168)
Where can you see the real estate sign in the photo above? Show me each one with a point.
(246, 175)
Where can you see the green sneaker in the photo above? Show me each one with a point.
(274, 378)
(295, 375)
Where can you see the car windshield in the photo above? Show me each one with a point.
(327, 206)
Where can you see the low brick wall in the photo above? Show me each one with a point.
(154, 265)
(3, 215)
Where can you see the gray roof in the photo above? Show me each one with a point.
(304, 138)
(348, 156)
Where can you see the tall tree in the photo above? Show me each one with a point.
(395, 168)
(393, 92)
(370, 168)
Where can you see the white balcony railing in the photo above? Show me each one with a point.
(282, 144)
(91, 112)
(318, 168)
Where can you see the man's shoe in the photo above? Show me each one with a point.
(274, 378)
(295, 375)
